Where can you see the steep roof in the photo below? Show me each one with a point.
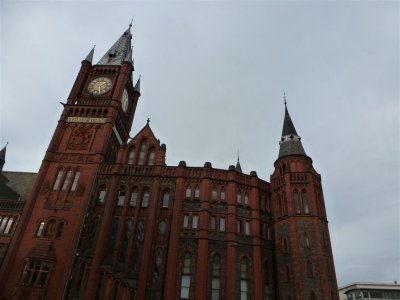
(119, 52)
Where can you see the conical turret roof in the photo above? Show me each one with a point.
(290, 143)
(120, 51)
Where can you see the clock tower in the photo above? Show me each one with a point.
(93, 127)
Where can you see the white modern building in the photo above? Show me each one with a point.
(362, 290)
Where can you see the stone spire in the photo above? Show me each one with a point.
(137, 85)
(3, 157)
(290, 143)
(120, 51)
(89, 57)
(238, 166)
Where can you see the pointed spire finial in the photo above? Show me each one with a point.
(130, 24)
(238, 156)
(137, 85)
(284, 97)
(148, 121)
(89, 57)
(3, 157)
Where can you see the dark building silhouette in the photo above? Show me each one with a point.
(108, 219)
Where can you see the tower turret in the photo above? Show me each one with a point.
(303, 254)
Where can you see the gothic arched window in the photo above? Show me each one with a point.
(145, 198)
(75, 181)
(50, 228)
(66, 180)
(131, 156)
(157, 264)
(306, 240)
(296, 202)
(214, 194)
(216, 277)
(185, 278)
(39, 230)
(151, 157)
(60, 230)
(267, 290)
(304, 199)
(57, 180)
(239, 197)
(124, 243)
(101, 195)
(222, 196)
(244, 284)
(112, 240)
(165, 201)
(188, 192)
(133, 200)
(121, 196)
(142, 152)
(197, 193)
(246, 198)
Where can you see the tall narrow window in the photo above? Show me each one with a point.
(222, 196)
(213, 222)
(145, 198)
(305, 202)
(3, 224)
(157, 265)
(216, 278)
(102, 195)
(244, 288)
(151, 157)
(58, 179)
(8, 226)
(306, 240)
(246, 198)
(222, 224)
(296, 202)
(142, 152)
(50, 229)
(185, 279)
(267, 290)
(162, 227)
(247, 228)
(214, 194)
(91, 236)
(195, 221)
(239, 197)
(137, 249)
(124, 244)
(165, 201)
(39, 230)
(188, 193)
(185, 221)
(66, 180)
(239, 226)
(284, 204)
(131, 156)
(197, 193)
(133, 200)
(121, 196)
(75, 182)
(112, 240)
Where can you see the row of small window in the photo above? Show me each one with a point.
(214, 195)
(300, 204)
(141, 158)
(35, 272)
(373, 294)
(134, 196)
(216, 223)
(216, 277)
(50, 229)
(7, 223)
(306, 242)
(64, 178)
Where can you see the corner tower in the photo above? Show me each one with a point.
(93, 127)
(303, 255)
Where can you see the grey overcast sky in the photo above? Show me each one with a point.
(213, 75)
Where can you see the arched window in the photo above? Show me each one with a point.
(188, 193)
(239, 197)
(57, 180)
(151, 157)
(197, 193)
(246, 198)
(60, 230)
(66, 180)
(75, 182)
(162, 227)
(91, 234)
(50, 228)
(268, 232)
(185, 278)
(133, 200)
(239, 226)
(39, 230)
(306, 240)
(296, 202)
(145, 198)
(131, 156)
(305, 202)
(267, 290)
(157, 265)
(214, 194)
(216, 277)
(165, 201)
(101, 195)
(121, 196)
(112, 240)
(222, 197)
(244, 288)
(310, 272)
(142, 153)
(124, 244)
(247, 228)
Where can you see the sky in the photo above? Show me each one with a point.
(212, 79)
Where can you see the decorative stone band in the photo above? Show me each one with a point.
(85, 120)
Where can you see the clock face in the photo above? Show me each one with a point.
(125, 101)
(99, 86)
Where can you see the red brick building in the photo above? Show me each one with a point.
(108, 219)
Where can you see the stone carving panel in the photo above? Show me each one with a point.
(81, 137)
